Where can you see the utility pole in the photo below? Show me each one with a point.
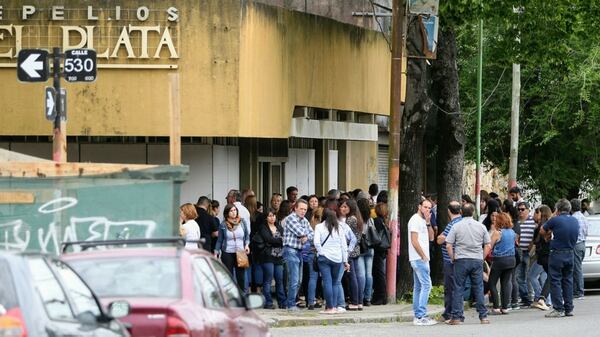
(514, 125)
(479, 93)
(397, 98)
(59, 130)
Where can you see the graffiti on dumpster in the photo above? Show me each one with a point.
(17, 234)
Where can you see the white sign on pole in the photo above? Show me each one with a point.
(424, 7)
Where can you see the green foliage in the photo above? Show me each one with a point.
(558, 49)
(436, 296)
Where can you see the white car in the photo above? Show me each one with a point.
(591, 261)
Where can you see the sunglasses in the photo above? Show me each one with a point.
(522, 209)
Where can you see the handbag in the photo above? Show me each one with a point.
(371, 236)
(242, 259)
(316, 257)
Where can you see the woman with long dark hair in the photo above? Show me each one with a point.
(365, 260)
(379, 256)
(233, 237)
(542, 250)
(357, 283)
(330, 243)
(270, 259)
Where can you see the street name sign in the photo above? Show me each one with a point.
(32, 65)
(80, 65)
(50, 99)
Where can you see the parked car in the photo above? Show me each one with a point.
(172, 291)
(591, 261)
(41, 296)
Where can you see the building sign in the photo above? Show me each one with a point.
(143, 36)
(425, 7)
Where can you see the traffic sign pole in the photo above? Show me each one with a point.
(59, 141)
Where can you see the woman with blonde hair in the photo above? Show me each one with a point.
(503, 241)
(188, 227)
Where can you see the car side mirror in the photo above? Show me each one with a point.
(119, 309)
(254, 301)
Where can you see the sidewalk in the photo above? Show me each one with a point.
(374, 314)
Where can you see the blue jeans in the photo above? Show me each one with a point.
(448, 288)
(357, 282)
(537, 277)
(522, 278)
(312, 280)
(341, 299)
(270, 270)
(330, 277)
(293, 260)
(560, 268)
(422, 287)
(471, 269)
(579, 252)
(365, 267)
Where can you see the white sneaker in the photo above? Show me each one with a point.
(424, 321)
(340, 309)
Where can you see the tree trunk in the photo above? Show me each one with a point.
(450, 133)
(414, 120)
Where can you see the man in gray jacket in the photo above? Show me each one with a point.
(467, 244)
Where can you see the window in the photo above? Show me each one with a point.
(49, 290)
(83, 300)
(230, 289)
(131, 276)
(206, 286)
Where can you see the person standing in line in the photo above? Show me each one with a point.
(351, 242)
(585, 207)
(292, 194)
(379, 296)
(503, 240)
(579, 250)
(233, 237)
(527, 226)
(189, 228)
(276, 200)
(330, 243)
(206, 222)
(234, 197)
(365, 260)
(213, 210)
(468, 243)
(419, 235)
(565, 230)
(296, 231)
(357, 282)
(454, 216)
(271, 260)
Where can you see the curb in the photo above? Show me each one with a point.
(328, 320)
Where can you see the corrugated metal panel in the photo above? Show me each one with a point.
(382, 167)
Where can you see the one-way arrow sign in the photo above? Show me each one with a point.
(50, 100)
(32, 65)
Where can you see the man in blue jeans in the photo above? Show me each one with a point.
(296, 231)
(565, 230)
(419, 235)
(468, 243)
(454, 216)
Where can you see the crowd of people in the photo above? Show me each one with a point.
(325, 252)
(535, 256)
(330, 251)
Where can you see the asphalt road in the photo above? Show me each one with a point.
(524, 322)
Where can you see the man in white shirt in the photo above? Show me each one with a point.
(419, 235)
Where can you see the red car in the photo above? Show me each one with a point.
(173, 292)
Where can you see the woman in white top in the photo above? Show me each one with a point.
(332, 250)
(189, 228)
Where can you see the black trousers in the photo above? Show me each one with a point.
(379, 281)
(502, 268)
(230, 262)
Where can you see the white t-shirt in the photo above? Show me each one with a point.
(192, 233)
(419, 225)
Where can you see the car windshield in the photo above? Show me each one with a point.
(594, 229)
(131, 277)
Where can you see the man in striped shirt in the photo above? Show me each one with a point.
(454, 216)
(527, 226)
